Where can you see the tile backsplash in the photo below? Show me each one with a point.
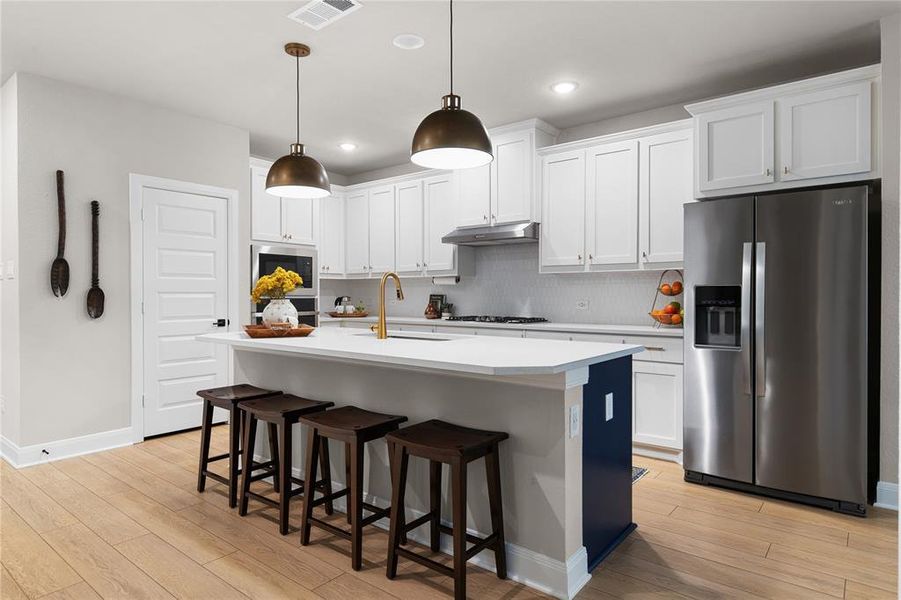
(507, 282)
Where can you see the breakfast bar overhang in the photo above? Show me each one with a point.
(565, 470)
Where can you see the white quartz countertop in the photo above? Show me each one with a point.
(675, 332)
(485, 355)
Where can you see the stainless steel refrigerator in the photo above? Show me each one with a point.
(781, 344)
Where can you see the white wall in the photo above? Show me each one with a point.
(75, 371)
(9, 252)
(891, 261)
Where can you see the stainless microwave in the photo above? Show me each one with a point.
(303, 261)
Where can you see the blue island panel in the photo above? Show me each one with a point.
(607, 459)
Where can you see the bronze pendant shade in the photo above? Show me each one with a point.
(297, 175)
(451, 138)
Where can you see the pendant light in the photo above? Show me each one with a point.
(297, 175)
(451, 138)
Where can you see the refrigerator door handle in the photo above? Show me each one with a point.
(759, 320)
(746, 258)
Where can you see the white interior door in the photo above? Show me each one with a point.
(185, 292)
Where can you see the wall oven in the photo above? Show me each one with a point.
(265, 259)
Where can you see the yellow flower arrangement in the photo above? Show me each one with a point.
(275, 285)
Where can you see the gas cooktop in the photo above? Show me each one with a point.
(493, 319)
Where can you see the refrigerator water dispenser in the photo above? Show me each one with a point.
(718, 316)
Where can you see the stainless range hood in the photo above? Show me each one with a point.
(516, 233)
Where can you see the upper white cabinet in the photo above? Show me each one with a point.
(440, 258)
(615, 202)
(810, 132)
(736, 146)
(356, 233)
(283, 220)
(664, 187)
(331, 236)
(381, 229)
(408, 243)
(826, 132)
(504, 191)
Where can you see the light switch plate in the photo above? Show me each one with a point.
(609, 401)
(575, 420)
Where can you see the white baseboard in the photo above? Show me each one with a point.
(660, 453)
(25, 456)
(887, 495)
(534, 570)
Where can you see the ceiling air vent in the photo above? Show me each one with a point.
(319, 13)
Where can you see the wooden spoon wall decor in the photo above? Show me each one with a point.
(59, 270)
(95, 294)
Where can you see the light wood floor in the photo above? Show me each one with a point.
(128, 523)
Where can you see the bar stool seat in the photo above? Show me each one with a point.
(442, 442)
(355, 427)
(281, 413)
(227, 398)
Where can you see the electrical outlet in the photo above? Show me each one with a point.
(609, 401)
(581, 304)
(575, 420)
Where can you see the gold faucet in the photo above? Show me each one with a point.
(381, 328)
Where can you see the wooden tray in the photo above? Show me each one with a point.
(355, 315)
(264, 331)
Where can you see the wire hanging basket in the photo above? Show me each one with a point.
(665, 290)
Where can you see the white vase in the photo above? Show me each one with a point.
(280, 310)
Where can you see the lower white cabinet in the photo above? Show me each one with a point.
(657, 404)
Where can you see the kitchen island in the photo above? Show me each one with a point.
(565, 470)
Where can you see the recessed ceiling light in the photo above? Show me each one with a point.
(408, 41)
(347, 146)
(565, 87)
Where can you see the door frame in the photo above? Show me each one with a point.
(136, 183)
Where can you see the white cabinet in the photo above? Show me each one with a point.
(616, 202)
(439, 258)
(473, 196)
(612, 203)
(381, 229)
(815, 131)
(331, 236)
(735, 146)
(283, 220)
(356, 236)
(512, 172)
(409, 228)
(504, 191)
(665, 184)
(657, 404)
(563, 209)
(825, 133)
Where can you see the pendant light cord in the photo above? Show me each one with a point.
(297, 96)
(451, 47)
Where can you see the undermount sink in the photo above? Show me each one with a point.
(404, 336)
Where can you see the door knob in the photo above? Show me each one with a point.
(221, 323)
(768, 172)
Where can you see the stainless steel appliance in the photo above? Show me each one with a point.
(303, 261)
(782, 342)
(494, 235)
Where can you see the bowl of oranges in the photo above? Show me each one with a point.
(671, 314)
(664, 310)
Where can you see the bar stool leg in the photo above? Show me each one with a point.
(458, 470)
(435, 504)
(273, 453)
(234, 449)
(313, 446)
(205, 435)
(347, 452)
(284, 460)
(399, 485)
(326, 468)
(492, 470)
(250, 436)
(356, 506)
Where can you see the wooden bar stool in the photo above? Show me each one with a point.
(353, 426)
(281, 413)
(227, 398)
(457, 446)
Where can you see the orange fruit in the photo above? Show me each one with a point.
(677, 287)
(666, 289)
(676, 319)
